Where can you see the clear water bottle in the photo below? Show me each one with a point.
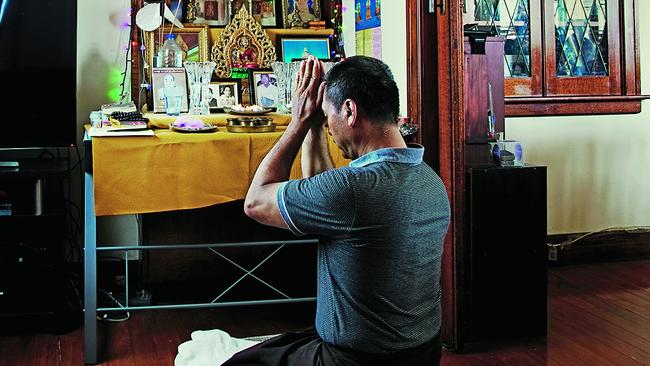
(170, 54)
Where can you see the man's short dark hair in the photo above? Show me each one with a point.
(367, 81)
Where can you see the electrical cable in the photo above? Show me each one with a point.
(127, 61)
(105, 317)
(629, 229)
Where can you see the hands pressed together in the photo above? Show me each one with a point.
(309, 89)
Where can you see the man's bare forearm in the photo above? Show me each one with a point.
(315, 157)
(261, 200)
(276, 166)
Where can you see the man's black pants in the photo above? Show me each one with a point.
(307, 348)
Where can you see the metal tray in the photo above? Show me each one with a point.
(250, 124)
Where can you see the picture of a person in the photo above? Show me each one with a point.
(212, 97)
(226, 97)
(267, 13)
(303, 9)
(267, 92)
(169, 89)
(238, 4)
(243, 55)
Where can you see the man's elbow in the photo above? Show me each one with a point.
(251, 208)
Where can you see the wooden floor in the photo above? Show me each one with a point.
(599, 315)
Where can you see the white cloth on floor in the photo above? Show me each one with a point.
(210, 347)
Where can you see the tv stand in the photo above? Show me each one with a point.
(33, 286)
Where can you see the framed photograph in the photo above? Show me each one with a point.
(193, 40)
(263, 87)
(290, 48)
(236, 5)
(210, 12)
(224, 93)
(168, 81)
(267, 12)
(302, 10)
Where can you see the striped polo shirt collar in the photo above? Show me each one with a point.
(411, 155)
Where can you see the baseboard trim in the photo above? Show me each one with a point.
(607, 246)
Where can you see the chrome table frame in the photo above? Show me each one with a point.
(91, 355)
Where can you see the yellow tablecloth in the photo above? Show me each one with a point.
(174, 171)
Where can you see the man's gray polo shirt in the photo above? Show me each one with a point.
(381, 223)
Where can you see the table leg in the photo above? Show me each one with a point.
(90, 274)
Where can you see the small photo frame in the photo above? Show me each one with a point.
(290, 48)
(210, 12)
(303, 10)
(168, 81)
(267, 12)
(236, 5)
(224, 93)
(264, 87)
(193, 40)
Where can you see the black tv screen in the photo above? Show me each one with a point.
(38, 67)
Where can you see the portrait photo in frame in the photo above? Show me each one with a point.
(267, 12)
(264, 89)
(210, 12)
(224, 93)
(292, 47)
(168, 81)
(305, 10)
(193, 40)
(236, 5)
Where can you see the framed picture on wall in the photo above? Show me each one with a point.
(193, 40)
(299, 10)
(267, 12)
(290, 48)
(264, 89)
(168, 81)
(224, 93)
(211, 12)
(236, 5)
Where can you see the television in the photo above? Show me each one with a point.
(38, 68)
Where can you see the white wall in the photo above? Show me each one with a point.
(100, 50)
(598, 166)
(393, 44)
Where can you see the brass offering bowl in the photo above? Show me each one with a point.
(250, 124)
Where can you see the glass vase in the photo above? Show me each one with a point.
(285, 73)
(198, 78)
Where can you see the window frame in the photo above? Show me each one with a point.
(545, 93)
(530, 86)
(583, 85)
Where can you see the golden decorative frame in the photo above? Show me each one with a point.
(201, 29)
(243, 24)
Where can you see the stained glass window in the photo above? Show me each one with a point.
(511, 19)
(581, 47)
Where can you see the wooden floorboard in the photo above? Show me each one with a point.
(599, 314)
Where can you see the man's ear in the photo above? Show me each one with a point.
(350, 112)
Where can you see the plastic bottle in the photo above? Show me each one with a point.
(170, 54)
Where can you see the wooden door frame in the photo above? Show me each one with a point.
(435, 104)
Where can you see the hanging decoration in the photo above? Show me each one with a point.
(338, 46)
(117, 93)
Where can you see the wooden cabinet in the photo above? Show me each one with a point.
(502, 288)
